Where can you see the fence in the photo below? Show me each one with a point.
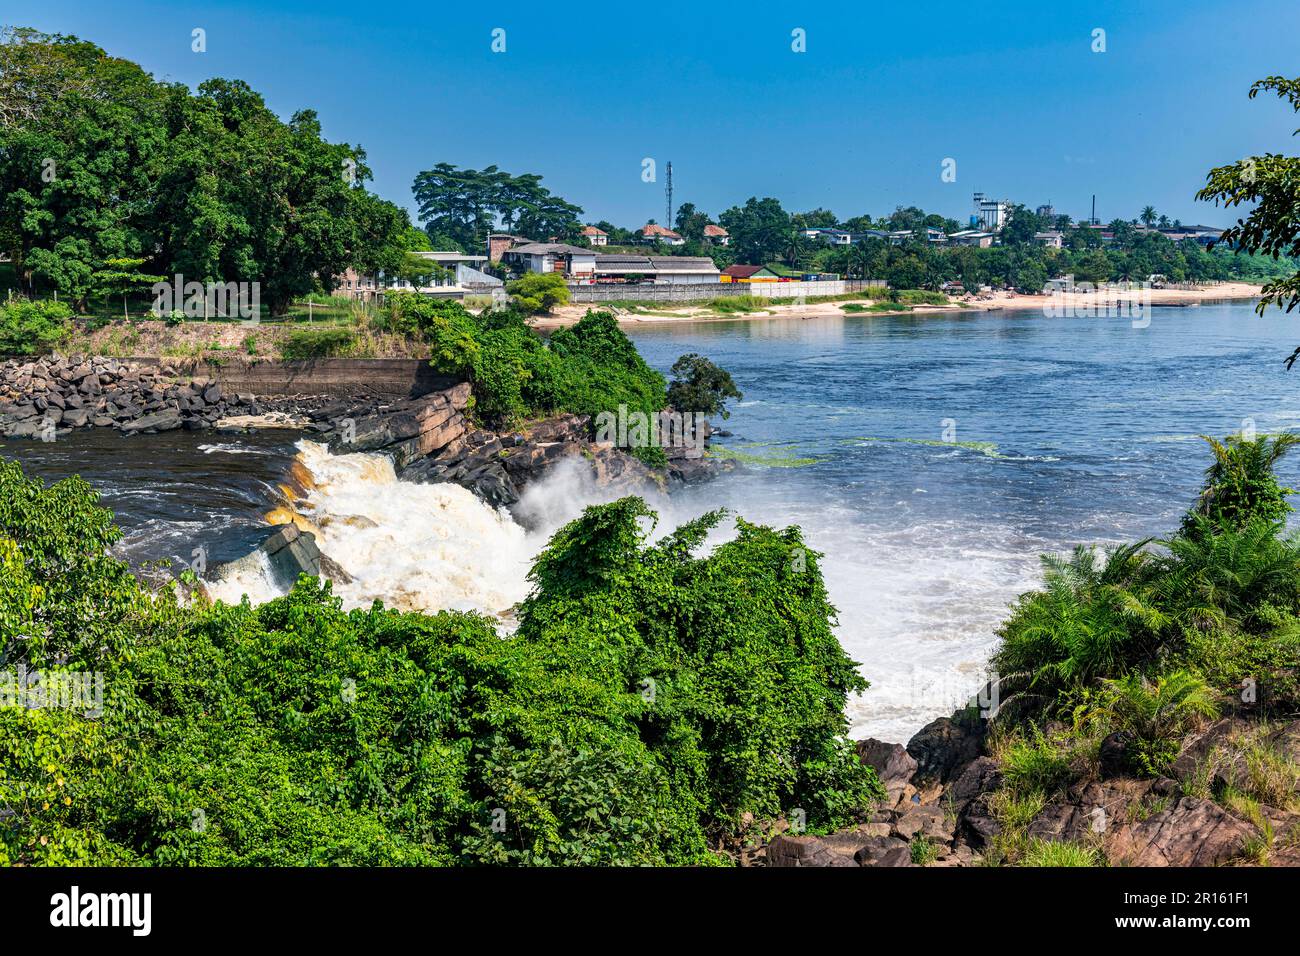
(704, 291)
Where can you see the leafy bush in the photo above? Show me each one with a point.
(1155, 713)
(317, 343)
(648, 701)
(700, 386)
(583, 369)
(539, 292)
(32, 328)
(1240, 484)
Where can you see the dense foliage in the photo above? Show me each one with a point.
(538, 292)
(588, 368)
(458, 206)
(31, 328)
(101, 164)
(649, 702)
(699, 385)
(1220, 599)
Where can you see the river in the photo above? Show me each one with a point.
(930, 458)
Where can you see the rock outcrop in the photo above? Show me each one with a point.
(943, 793)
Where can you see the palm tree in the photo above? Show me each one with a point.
(1240, 484)
(1148, 215)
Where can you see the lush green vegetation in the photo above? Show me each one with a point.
(700, 386)
(317, 343)
(31, 328)
(650, 704)
(108, 176)
(587, 368)
(1140, 644)
(535, 293)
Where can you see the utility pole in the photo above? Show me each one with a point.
(668, 189)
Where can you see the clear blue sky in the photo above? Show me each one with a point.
(859, 123)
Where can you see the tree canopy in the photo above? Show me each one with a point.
(100, 162)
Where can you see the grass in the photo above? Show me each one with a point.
(924, 851)
(1060, 853)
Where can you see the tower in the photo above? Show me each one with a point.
(668, 190)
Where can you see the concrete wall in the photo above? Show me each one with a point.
(702, 292)
(385, 378)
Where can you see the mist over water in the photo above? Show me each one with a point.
(1062, 431)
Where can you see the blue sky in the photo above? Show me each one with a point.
(859, 123)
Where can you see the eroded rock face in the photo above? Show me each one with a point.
(1192, 832)
(893, 765)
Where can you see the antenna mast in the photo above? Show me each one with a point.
(668, 189)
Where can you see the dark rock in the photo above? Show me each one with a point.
(893, 765)
(943, 747)
(1193, 832)
(291, 552)
(838, 849)
(158, 422)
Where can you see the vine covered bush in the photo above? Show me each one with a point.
(648, 704)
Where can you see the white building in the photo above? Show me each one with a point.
(991, 214)
(573, 262)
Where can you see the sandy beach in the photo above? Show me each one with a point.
(658, 313)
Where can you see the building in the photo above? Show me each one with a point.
(462, 276)
(1047, 211)
(971, 237)
(717, 235)
(652, 232)
(574, 262)
(836, 237)
(658, 270)
(499, 242)
(991, 214)
(1052, 239)
(749, 274)
(597, 237)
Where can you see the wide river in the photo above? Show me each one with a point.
(931, 459)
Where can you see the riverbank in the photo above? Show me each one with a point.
(990, 302)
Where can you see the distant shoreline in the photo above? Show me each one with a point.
(1001, 301)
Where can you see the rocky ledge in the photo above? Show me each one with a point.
(430, 438)
(945, 805)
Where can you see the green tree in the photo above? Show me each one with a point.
(700, 386)
(1271, 185)
(539, 292)
(759, 230)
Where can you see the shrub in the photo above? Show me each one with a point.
(1155, 713)
(539, 292)
(1240, 484)
(647, 702)
(31, 328)
(700, 386)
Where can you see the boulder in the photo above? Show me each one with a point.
(837, 849)
(1192, 832)
(893, 765)
(291, 552)
(161, 421)
(943, 747)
